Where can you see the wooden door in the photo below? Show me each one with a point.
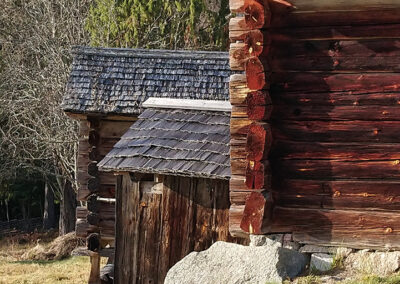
(160, 223)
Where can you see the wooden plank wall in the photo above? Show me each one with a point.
(96, 138)
(158, 223)
(332, 68)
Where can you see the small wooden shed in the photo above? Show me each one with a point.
(173, 171)
(315, 123)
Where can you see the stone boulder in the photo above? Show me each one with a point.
(236, 264)
(321, 262)
(379, 263)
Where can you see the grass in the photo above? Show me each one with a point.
(70, 270)
(13, 270)
(372, 279)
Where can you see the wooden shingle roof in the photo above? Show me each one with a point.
(181, 142)
(118, 81)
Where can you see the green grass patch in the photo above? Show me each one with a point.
(372, 279)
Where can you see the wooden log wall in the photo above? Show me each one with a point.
(96, 138)
(332, 70)
(159, 223)
(251, 137)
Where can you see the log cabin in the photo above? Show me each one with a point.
(315, 126)
(153, 160)
(314, 88)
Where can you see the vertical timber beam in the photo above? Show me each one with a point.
(251, 109)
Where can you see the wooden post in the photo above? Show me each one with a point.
(94, 277)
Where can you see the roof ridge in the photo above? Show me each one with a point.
(149, 53)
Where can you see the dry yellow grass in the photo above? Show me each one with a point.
(14, 270)
(70, 270)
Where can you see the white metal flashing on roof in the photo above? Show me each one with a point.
(208, 105)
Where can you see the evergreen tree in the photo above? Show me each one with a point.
(190, 24)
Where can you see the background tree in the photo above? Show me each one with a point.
(36, 137)
(190, 24)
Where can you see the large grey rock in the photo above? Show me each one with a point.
(266, 240)
(321, 262)
(227, 263)
(379, 263)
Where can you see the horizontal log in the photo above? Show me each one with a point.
(110, 129)
(330, 55)
(94, 137)
(93, 184)
(335, 63)
(255, 41)
(259, 105)
(255, 15)
(239, 126)
(283, 7)
(238, 183)
(257, 212)
(337, 48)
(81, 212)
(337, 151)
(235, 218)
(337, 131)
(239, 53)
(92, 169)
(258, 175)
(332, 113)
(336, 169)
(83, 128)
(93, 219)
(259, 141)
(364, 17)
(293, 34)
(238, 148)
(357, 229)
(83, 228)
(346, 194)
(350, 98)
(253, 112)
(238, 167)
(321, 82)
(94, 155)
(257, 74)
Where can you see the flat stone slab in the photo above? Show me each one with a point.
(321, 262)
(317, 249)
(236, 264)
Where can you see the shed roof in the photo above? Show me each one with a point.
(174, 141)
(118, 81)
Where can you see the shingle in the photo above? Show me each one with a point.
(155, 144)
(106, 80)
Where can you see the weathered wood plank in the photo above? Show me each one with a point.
(335, 113)
(327, 5)
(321, 82)
(349, 228)
(336, 169)
(285, 18)
(335, 32)
(349, 98)
(337, 131)
(337, 151)
(126, 244)
(344, 194)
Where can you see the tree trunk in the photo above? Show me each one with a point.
(7, 211)
(49, 217)
(67, 209)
